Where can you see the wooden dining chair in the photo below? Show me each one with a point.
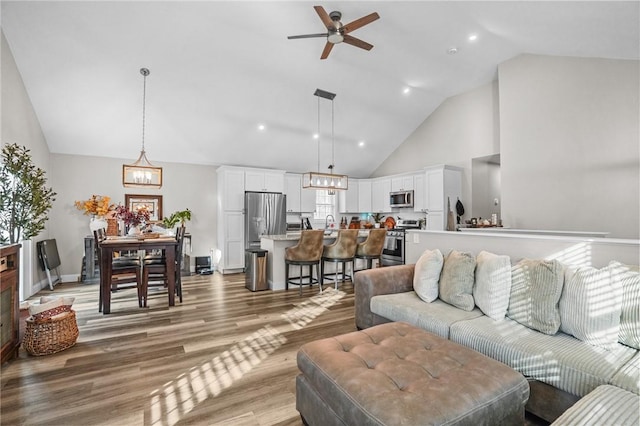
(124, 269)
(154, 268)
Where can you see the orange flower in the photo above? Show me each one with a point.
(98, 205)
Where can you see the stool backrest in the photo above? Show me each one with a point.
(345, 245)
(309, 247)
(374, 244)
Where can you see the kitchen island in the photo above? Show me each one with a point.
(276, 245)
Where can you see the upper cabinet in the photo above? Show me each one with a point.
(292, 189)
(264, 180)
(402, 183)
(364, 195)
(348, 199)
(380, 189)
(442, 186)
(231, 188)
(299, 199)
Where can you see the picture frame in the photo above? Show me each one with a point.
(153, 203)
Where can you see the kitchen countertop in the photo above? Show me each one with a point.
(294, 236)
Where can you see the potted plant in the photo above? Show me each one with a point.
(172, 220)
(25, 199)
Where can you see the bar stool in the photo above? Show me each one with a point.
(306, 253)
(341, 251)
(372, 247)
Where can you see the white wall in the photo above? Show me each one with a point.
(461, 128)
(570, 135)
(78, 177)
(568, 131)
(20, 125)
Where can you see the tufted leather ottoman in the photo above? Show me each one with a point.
(397, 374)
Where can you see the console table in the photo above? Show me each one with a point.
(9, 304)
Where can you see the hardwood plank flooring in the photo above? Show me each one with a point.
(224, 356)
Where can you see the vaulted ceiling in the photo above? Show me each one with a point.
(221, 69)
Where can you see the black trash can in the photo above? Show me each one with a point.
(256, 269)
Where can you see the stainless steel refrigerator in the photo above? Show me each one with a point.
(265, 213)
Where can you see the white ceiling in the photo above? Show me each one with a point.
(221, 68)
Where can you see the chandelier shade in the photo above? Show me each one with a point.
(142, 174)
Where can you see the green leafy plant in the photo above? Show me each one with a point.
(377, 217)
(25, 200)
(181, 216)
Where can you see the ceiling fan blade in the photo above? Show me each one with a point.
(308, 36)
(358, 23)
(324, 16)
(327, 50)
(349, 39)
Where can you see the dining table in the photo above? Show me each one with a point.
(113, 244)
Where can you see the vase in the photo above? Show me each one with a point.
(97, 222)
(134, 230)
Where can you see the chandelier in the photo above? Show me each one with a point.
(142, 173)
(328, 181)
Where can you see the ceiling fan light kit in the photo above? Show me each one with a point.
(338, 33)
(328, 181)
(142, 174)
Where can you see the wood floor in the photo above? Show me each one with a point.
(224, 356)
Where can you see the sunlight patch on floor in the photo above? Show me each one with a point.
(180, 396)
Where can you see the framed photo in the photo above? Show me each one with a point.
(153, 204)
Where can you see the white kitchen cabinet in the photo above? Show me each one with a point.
(441, 184)
(348, 199)
(402, 183)
(233, 251)
(292, 189)
(308, 200)
(264, 180)
(231, 188)
(364, 195)
(299, 199)
(230, 238)
(419, 193)
(380, 189)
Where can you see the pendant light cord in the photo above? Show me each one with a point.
(145, 72)
(318, 134)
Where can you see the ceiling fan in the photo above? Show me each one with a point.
(338, 33)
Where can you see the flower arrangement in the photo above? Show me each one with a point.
(132, 218)
(98, 205)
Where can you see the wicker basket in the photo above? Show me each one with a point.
(46, 337)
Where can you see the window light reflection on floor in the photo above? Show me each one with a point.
(180, 396)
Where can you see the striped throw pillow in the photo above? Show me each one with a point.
(536, 286)
(493, 284)
(629, 279)
(590, 305)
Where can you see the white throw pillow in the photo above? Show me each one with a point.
(536, 286)
(629, 279)
(590, 306)
(427, 274)
(493, 284)
(456, 280)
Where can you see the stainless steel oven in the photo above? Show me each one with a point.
(394, 244)
(393, 252)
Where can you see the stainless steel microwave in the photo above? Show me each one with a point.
(401, 198)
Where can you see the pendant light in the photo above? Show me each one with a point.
(142, 173)
(329, 181)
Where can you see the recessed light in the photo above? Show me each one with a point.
(316, 136)
(473, 37)
(452, 50)
(361, 144)
(261, 127)
(406, 90)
